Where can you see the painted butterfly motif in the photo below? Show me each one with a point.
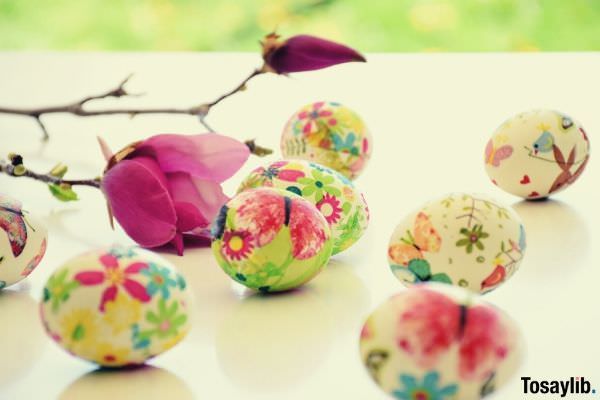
(12, 222)
(424, 238)
(433, 324)
(494, 155)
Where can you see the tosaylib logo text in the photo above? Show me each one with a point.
(572, 385)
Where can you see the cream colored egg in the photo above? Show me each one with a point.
(116, 306)
(23, 241)
(461, 239)
(336, 197)
(537, 153)
(330, 134)
(440, 342)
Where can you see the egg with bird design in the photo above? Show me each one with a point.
(537, 153)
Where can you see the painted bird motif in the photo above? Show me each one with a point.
(544, 143)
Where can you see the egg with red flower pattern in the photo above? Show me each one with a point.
(330, 134)
(271, 240)
(436, 341)
(116, 306)
(23, 240)
(334, 195)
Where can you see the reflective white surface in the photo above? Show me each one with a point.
(431, 116)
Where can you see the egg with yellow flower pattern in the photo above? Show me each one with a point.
(330, 134)
(116, 307)
(334, 195)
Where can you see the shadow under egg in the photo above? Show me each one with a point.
(23, 338)
(557, 239)
(287, 336)
(144, 382)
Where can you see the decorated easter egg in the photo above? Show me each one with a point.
(271, 239)
(117, 306)
(330, 134)
(440, 342)
(460, 239)
(23, 241)
(537, 153)
(344, 208)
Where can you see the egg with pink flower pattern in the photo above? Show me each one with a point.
(23, 240)
(116, 306)
(271, 240)
(330, 134)
(334, 195)
(435, 341)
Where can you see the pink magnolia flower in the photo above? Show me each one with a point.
(305, 53)
(115, 277)
(167, 185)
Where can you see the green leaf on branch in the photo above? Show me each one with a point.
(63, 192)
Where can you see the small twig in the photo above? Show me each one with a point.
(78, 107)
(9, 169)
(238, 88)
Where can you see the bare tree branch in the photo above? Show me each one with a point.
(78, 107)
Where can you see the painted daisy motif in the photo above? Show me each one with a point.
(237, 244)
(319, 184)
(160, 280)
(427, 389)
(310, 117)
(116, 278)
(330, 208)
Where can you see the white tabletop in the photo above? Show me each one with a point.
(430, 115)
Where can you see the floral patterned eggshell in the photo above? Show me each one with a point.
(116, 307)
(537, 153)
(23, 240)
(440, 342)
(461, 239)
(271, 239)
(330, 134)
(344, 208)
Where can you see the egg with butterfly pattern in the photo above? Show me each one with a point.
(441, 342)
(468, 240)
(334, 195)
(329, 134)
(271, 239)
(23, 240)
(537, 153)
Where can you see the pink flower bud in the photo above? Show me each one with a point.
(305, 53)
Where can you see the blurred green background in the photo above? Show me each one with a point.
(369, 25)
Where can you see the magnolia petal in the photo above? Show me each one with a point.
(206, 156)
(137, 193)
(205, 195)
